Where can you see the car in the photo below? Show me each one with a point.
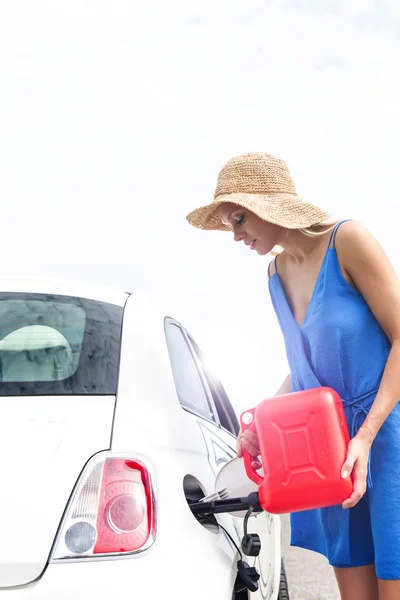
(112, 425)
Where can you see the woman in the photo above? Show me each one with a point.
(337, 299)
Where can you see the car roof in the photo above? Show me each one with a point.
(58, 287)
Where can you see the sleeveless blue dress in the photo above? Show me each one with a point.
(341, 345)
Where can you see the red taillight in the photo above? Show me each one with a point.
(124, 513)
(112, 511)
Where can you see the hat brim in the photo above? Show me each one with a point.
(286, 210)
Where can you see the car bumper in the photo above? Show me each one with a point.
(148, 576)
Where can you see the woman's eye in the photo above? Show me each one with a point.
(240, 220)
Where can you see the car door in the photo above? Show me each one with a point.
(204, 449)
(219, 427)
(221, 442)
(216, 417)
(220, 436)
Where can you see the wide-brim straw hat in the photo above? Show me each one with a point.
(262, 184)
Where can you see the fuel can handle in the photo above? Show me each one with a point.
(247, 421)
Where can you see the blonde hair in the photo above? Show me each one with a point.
(312, 231)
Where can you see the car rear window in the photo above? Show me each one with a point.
(58, 345)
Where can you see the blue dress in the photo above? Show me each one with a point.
(341, 345)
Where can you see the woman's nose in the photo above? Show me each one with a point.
(238, 236)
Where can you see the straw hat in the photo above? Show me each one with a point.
(262, 184)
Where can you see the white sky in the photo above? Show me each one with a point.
(116, 117)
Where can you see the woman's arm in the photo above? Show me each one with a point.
(368, 266)
(366, 263)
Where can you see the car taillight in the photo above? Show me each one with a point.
(111, 512)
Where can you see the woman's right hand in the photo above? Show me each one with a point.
(249, 441)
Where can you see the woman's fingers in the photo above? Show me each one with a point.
(356, 464)
(249, 441)
(349, 464)
(239, 450)
(256, 465)
(359, 486)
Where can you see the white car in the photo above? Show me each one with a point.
(111, 425)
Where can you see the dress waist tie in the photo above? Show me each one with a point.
(360, 409)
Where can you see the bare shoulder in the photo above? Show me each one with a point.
(372, 273)
(350, 229)
(360, 253)
(353, 237)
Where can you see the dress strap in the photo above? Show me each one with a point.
(332, 239)
(269, 267)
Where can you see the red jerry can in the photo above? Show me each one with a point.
(303, 439)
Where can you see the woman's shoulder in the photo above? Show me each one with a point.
(352, 234)
(359, 252)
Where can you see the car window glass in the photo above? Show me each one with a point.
(58, 345)
(226, 414)
(188, 383)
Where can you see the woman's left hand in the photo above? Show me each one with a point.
(357, 465)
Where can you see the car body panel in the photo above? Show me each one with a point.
(44, 443)
(147, 420)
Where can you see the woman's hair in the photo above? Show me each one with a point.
(319, 228)
(311, 231)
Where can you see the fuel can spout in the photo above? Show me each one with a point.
(227, 505)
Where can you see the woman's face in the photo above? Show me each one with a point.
(255, 233)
